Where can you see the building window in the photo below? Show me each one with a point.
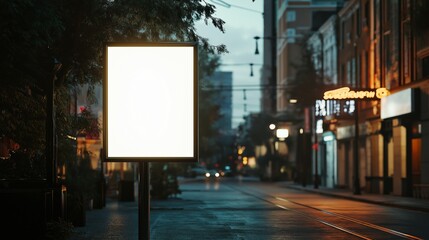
(425, 67)
(291, 34)
(354, 72)
(349, 72)
(407, 52)
(376, 24)
(343, 34)
(365, 20)
(291, 16)
(391, 45)
(358, 24)
(364, 70)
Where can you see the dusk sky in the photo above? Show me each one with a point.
(243, 21)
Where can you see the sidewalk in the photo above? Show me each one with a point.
(386, 200)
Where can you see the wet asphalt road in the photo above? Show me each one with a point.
(244, 208)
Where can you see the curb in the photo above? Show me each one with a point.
(389, 204)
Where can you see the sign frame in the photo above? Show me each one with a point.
(398, 104)
(111, 151)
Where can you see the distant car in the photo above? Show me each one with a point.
(212, 174)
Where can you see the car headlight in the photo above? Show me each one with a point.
(217, 174)
(207, 174)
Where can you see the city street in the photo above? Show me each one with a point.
(245, 208)
(242, 119)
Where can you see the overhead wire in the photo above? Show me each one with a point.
(228, 5)
(244, 88)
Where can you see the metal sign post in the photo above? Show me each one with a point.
(150, 99)
(144, 201)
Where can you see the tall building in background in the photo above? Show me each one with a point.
(296, 21)
(268, 70)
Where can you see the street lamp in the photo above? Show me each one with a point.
(274, 38)
(279, 135)
(267, 38)
(282, 151)
(282, 133)
(270, 64)
(293, 100)
(256, 46)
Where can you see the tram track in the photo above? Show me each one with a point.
(364, 223)
(352, 226)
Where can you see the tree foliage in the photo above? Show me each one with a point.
(259, 133)
(308, 85)
(37, 35)
(208, 111)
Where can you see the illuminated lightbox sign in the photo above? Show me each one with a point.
(397, 104)
(336, 108)
(347, 93)
(150, 102)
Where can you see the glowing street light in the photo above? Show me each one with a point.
(282, 133)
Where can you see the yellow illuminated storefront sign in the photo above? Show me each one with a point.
(346, 93)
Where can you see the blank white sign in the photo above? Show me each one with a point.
(150, 102)
(397, 104)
